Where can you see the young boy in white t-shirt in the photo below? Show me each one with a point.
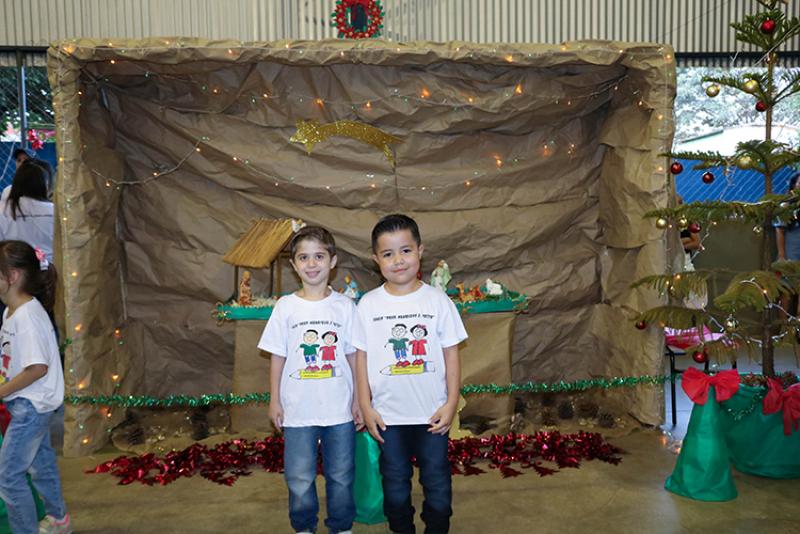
(408, 406)
(314, 405)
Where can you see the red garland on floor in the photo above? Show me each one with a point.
(226, 462)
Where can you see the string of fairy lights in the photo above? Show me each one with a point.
(83, 378)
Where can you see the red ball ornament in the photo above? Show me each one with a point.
(761, 106)
(768, 26)
(640, 325)
(700, 356)
(694, 228)
(708, 177)
(676, 168)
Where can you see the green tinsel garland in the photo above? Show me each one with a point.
(231, 399)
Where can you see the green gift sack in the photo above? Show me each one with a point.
(368, 486)
(756, 441)
(703, 471)
(4, 527)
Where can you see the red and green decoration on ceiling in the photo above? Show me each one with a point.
(358, 19)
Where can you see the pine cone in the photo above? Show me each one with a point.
(606, 420)
(549, 417)
(135, 436)
(565, 410)
(199, 422)
(588, 410)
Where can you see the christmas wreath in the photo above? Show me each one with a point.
(358, 19)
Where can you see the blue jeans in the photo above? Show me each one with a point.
(300, 470)
(401, 442)
(26, 449)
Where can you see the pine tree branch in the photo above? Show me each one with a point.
(791, 81)
(706, 159)
(749, 30)
(756, 289)
(679, 285)
(677, 317)
(738, 82)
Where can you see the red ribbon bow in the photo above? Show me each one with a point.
(788, 400)
(696, 383)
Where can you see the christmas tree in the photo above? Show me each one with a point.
(762, 290)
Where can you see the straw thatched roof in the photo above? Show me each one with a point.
(260, 245)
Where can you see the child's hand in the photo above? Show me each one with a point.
(373, 421)
(358, 420)
(442, 418)
(276, 414)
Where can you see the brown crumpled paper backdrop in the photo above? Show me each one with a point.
(543, 189)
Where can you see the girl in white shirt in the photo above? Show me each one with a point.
(32, 387)
(27, 214)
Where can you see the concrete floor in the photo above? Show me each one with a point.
(595, 498)
(598, 497)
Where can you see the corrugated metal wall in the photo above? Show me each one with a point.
(691, 26)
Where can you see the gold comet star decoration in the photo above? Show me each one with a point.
(311, 132)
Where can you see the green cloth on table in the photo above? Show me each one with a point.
(703, 471)
(756, 443)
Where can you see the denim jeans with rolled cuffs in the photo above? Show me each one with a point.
(300, 470)
(26, 449)
(401, 442)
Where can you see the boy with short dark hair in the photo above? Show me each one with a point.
(408, 406)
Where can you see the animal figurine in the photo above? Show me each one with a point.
(464, 296)
(493, 289)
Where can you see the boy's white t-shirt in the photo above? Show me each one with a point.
(313, 398)
(409, 328)
(28, 338)
(33, 226)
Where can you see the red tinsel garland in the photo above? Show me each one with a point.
(226, 462)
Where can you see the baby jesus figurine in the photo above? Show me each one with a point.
(245, 293)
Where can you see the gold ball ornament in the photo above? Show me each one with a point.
(751, 86)
(712, 90)
(758, 229)
(661, 223)
(731, 323)
(745, 162)
(683, 222)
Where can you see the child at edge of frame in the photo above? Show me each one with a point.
(312, 395)
(408, 406)
(32, 388)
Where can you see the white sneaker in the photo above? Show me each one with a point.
(51, 525)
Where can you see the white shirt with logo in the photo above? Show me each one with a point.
(28, 338)
(314, 337)
(404, 337)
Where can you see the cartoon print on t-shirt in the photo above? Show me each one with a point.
(309, 348)
(419, 332)
(327, 353)
(400, 345)
(328, 350)
(6, 362)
